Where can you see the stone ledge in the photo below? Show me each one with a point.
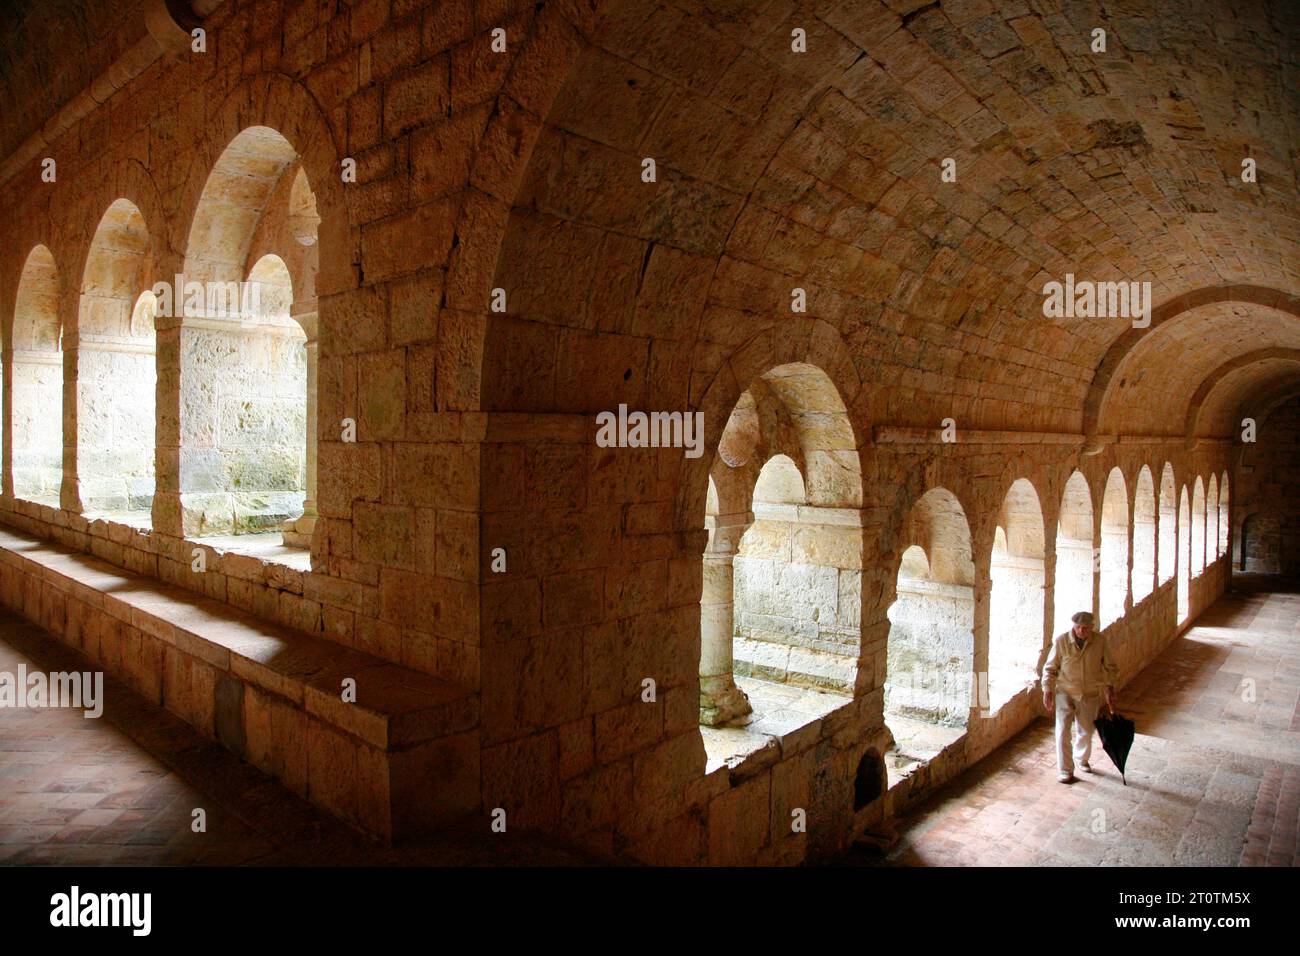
(400, 725)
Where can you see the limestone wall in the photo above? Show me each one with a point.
(243, 428)
(1269, 503)
(36, 397)
(796, 612)
(520, 171)
(1015, 626)
(116, 448)
(931, 643)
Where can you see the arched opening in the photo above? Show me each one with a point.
(869, 781)
(1074, 554)
(248, 351)
(116, 370)
(1113, 585)
(1212, 521)
(1144, 536)
(1168, 524)
(781, 604)
(37, 388)
(930, 655)
(784, 599)
(1225, 528)
(1018, 572)
(1261, 544)
(1198, 528)
(1184, 554)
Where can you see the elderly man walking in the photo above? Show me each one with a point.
(1078, 675)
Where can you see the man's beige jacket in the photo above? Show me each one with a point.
(1079, 673)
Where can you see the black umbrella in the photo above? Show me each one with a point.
(1116, 732)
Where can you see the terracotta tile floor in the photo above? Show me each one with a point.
(121, 790)
(1214, 777)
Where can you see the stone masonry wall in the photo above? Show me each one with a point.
(796, 610)
(522, 171)
(1269, 503)
(244, 428)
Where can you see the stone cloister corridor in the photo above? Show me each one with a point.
(1215, 781)
(647, 433)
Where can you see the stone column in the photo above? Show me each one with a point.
(721, 701)
(298, 531)
(70, 484)
(979, 676)
(7, 441)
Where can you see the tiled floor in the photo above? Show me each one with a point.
(122, 790)
(1213, 779)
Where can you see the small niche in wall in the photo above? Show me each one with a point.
(868, 785)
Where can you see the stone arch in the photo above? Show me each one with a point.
(781, 598)
(1017, 570)
(116, 346)
(1103, 378)
(811, 344)
(1113, 579)
(505, 150)
(1144, 536)
(270, 276)
(1075, 561)
(36, 391)
(274, 102)
(325, 306)
(243, 365)
(930, 654)
(1286, 358)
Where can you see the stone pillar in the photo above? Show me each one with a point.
(167, 512)
(298, 531)
(721, 701)
(7, 441)
(979, 676)
(70, 484)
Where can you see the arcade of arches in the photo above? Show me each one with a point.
(383, 467)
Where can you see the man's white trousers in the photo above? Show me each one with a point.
(1074, 725)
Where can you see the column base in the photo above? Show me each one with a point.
(722, 702)
(297, 532)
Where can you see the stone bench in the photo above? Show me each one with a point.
(400, 761)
